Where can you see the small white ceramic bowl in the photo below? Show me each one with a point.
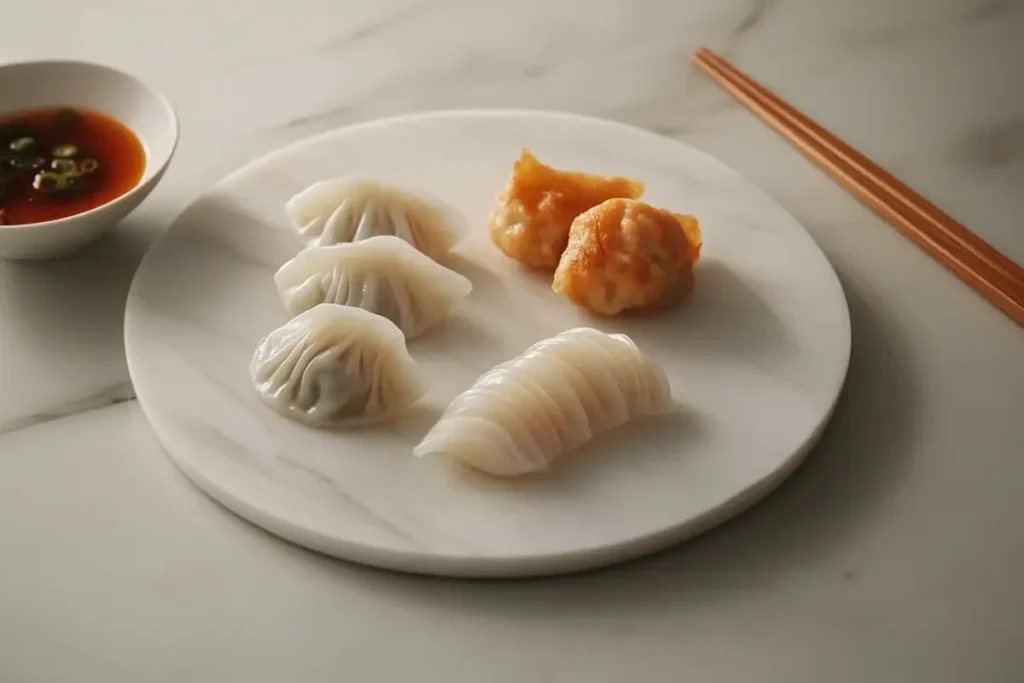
(31, 85)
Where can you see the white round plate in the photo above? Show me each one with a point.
(757, 356)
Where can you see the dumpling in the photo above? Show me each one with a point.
(531, 217)
(336, 366)
(624, 254)
(383, 275)
(523, 414)
(352, 209)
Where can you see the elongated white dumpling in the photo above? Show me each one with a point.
(521, 415)
(351, 209)
(382, 275)
(336, 366)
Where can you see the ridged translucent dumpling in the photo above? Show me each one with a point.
(336, 366)
(383, 275)
(523, 414)
(351, 209)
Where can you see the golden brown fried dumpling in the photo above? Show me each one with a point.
(531, 217)
(624, 254)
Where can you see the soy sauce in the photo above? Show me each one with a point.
(59, 162)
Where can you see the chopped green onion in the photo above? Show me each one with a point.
(21, 144)
(47, 181)
(64, 165)
(65, 151)
(23, 162)
(88, 165)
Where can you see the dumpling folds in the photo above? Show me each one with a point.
(382, 275)
(352, 209)
(336, 366)
(523, 414)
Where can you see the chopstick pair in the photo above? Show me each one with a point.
(977, 263)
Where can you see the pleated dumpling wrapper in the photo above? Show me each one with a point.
(524, 414)
(383, 275)
(336, 366)
(350, 209)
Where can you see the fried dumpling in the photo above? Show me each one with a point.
(531, 217)
(624, 254)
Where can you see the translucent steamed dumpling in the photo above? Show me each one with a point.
(522, 415)
(383, 275)
(336, 366)
(351, 209)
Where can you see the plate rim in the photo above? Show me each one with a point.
(465, 565)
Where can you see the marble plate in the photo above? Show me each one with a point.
(758, 356)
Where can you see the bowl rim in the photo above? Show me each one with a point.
(159, 166)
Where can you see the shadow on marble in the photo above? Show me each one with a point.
(417, 421)
(459, 334)
(731, 315)
(61, 335)
(483, 280)
(69, 291)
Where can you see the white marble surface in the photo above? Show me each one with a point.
(893, 554)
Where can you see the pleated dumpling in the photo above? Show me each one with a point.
(383, 275)
(521, 415)
(336, 366)
(351, 209)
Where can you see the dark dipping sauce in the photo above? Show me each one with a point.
(59, 162)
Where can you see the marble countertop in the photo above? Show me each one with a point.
(893, 554)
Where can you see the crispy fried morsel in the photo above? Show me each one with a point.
(531, 217)
(624, 254)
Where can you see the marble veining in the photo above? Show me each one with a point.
(110, 396)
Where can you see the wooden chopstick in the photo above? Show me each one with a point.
(992, 274)
(888, 182)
